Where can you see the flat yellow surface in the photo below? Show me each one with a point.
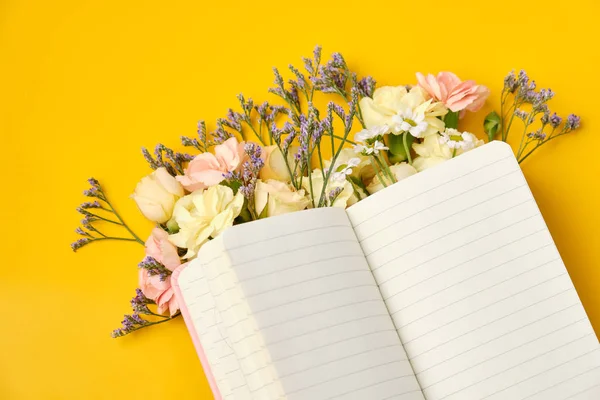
(85, 83)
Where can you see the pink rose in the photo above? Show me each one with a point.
(159, 291)
(159, 248)
(163, 251)
(207, 169)
(454, 93)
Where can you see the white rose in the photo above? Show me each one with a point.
(400, 171)
(204, 214)
(156, 195)
(275, 166)
(342, 200)
(278, 197)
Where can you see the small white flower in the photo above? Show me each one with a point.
(457, 140)
(347, 170)
(371, 133)
(409, 121)
(378, 146)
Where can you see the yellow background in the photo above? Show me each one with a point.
(85, 83)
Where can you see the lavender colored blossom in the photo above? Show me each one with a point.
(366, 86)
(333, 195)
(573, 122)
(510, 82)
(130, 323)
(521, 114)
(154, 268)
(555, 120)
(80, 243)
(140, 302)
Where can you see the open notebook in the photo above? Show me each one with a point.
(446, 285)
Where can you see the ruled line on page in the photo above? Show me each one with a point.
(524, 362)
(456, 248)
(438, 220)
(486, 289)
(319, 312)
(582, 392)
(361, 335)
(495, 338)
(328, 327)
(337, 396)
(433, 188)
(387, 346)
(347, 375)
(560, 383)
(483, 272)
(549, 369)
(471, 366)
(483, 308)
(490, 322)
(460, 229)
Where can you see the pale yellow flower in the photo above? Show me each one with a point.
(397, 107)
(400, 171)
(342, 200)
(156, 195)
(435, 149)
(204, 214)
(275, 166)
(278, 197)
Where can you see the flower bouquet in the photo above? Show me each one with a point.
(267, 159)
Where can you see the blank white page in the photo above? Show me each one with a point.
(300, 308)
(477, 290)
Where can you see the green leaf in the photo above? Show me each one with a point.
(451, 119)
(492, 124)
(397, 152)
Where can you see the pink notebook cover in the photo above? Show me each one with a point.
(195, 338)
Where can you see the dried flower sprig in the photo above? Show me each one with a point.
(202, 143)
(133, 322)
(520, 100)
(90, 213)
(167, 158)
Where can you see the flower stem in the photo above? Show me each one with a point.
(136, 238)
(406, 149)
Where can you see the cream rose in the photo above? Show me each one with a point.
(400, 171)
(275, 166)
(435, 150)
(342, 200)
(204, 214)
(156, 195)
(278, 197)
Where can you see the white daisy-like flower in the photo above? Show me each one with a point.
(371, 133)
(369, 150)
(347, 170)
(456, 140)
(408, 120)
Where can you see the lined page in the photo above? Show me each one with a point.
(476, 288)
(316, 316)
(224, 363)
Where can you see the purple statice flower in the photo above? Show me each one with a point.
(573, 122)
(521, 114)
(81, 232)
(510, 82)
(366, 86)
(154, 267)
(537, 135)
(130, 323)
(220, 135)
(76, 245)
(289, 140)
(523, 79)
(149, 159)
(251, 169)
(140, 302)
(333, 194)
(94, 204)
(247, 105)
(555, 120)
